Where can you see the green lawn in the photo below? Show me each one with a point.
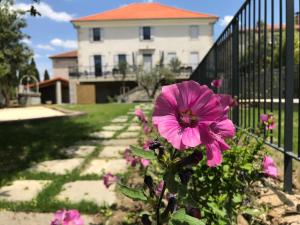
(22, 144)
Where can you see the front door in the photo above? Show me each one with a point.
(98, 65)
(147, 60)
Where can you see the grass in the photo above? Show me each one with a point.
(23, 144)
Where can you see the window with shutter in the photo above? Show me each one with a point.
(194, 32)
(96, 34)
(146, 33)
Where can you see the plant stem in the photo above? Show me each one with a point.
(159, 204)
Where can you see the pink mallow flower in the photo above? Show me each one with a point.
(269, 167)
(109, 179)
(67, 217)
(130, 159)
(268, 120)
(189, 114)
(147, 144)
(217, 83)
(144, 162)
(140, 115)
(146, 128)
(159, 188)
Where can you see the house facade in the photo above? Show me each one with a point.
(139, 34)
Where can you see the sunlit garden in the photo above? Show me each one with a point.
(141, 119)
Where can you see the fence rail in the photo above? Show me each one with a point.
(258, 56)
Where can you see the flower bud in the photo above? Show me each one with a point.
(146, 220)
(170, 207)
(194, 212)
(185, 176)
(154, 145)
(148, 181)
(192, 159)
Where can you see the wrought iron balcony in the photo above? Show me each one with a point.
(111, 73)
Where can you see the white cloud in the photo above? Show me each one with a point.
(226, 20)
(26, 41)
(150, 1)
(46, 11)
(45, 47)
(69, 44)
(36, 56)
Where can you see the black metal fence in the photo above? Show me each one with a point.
(257, 56)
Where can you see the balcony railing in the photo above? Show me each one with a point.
(114, 72)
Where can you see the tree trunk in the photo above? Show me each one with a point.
(6, 96)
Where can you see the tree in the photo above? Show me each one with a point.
(46, 75)
(13, 53)
(151, 80)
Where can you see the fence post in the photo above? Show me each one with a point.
(235, 68)
(289, 92)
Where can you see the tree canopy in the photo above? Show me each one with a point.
(13, 52)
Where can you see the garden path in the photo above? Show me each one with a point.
(74, 182)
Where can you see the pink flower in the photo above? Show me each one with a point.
(217, 83)
(146, 128)
(189, 115)
(159, 188)
(182, 111)
(67, 217)
(227, 102)
(147, 145)
(268, 120)
(269, 167)
(130, 159)
(109, 179)
(140, 115)
(144, 162)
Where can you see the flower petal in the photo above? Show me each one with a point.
(214, 154)
(191, 137)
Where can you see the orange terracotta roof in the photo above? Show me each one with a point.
(138, 11)
(50, 82)
(70, 54)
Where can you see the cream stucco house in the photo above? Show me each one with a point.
(138, 34)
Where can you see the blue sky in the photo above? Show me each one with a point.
(53, 33)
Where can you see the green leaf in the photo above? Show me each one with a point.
(253, 212)
(237, 198)
(247, 166)
(181, 218)
(142, 153)
(170, 180)
(132, 193)
(217, 210)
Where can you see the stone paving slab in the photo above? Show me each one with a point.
(21, 218)
(25, 113)
(79, 151)
(59, 167)
(120, 120)
(112, 152)
(134, 128)
(103, 134)
(90, 191)
(113, 127)
(102, 166)
(22, 190)
(119, 142)
(129, 135)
